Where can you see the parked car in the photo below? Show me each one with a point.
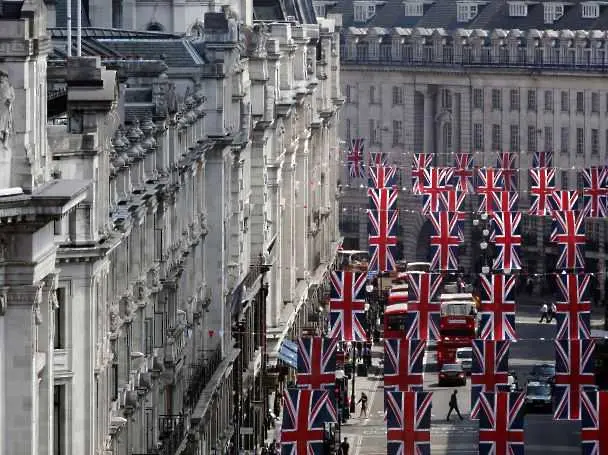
(452, 374)
(538, 397)
(544, 372)
(513, 384)
(464, 357)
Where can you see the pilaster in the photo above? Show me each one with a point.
(429, 121)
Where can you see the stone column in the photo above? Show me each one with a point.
(275, 296)
(429, 121)
(287, 237)
(301, 210)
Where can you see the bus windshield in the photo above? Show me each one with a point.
(456, 308)
(456, 332)
(395, 322)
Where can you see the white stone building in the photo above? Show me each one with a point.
(188, 187)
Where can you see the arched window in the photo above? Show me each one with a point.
(155, 27)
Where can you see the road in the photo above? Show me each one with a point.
(367, 436)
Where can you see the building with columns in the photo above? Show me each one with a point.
(429, 80)
(168, 218)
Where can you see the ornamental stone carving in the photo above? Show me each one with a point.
(139, 292)
(3, 300)
(115, 319)
(37, 305)
(7, 98)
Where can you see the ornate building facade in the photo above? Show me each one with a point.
(169, 213)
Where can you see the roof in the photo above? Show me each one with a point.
(99, 32)
(280, 10)
(493, 14)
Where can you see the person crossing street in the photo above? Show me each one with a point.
(544, 313)
(454, 406)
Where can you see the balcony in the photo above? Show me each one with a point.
(199, 376)
(171, 430)
(62, 363)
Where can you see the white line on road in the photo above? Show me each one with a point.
(358, 445)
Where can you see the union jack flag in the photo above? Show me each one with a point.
(305, 413)
(462, 176)
(569, 233)
(489, 181)
(445, 242)
(506, 163)
(424, 324)
(434, 183)
(489, 369)
(501, 423)
(573, 372)
(403, 364)
(382, 176)
(452, 201)
(594, 423)
(420, 162)
(564, 200)
(355, 157)
(541, 190)
(382, 228)
(316, 362)
(408, 422)
(497, 307)
(505, 235)
(573, 312)
(595, 191)
(542, 159)
(347, 306)
(501, 201)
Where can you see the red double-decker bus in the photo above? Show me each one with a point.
(398, 294)
(394, 320)
(457, 325)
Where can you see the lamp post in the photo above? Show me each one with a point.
(369, 288)
(353, 372)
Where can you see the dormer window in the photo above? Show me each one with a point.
(590, 10)
(466, 11)
(518, 9)
(364, 11)
(414, 8)
(553, 11)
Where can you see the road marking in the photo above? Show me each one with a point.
(358, 445)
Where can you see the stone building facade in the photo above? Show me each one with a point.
(175, 230)
(480, 91)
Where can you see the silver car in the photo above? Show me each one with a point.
(464, 357)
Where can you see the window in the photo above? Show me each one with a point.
(564, 180)
(60, 322)
(465, 11)
(548, 133)
(478, 136)
(514, 138)
(548, 101)
(565, 102)
(580, 141)
(397, 95)
(552, 11)
(320, 10)
(595, 141)
(347, 133)
(595, 102)
(496, 101)
(397, 132)
(373, 131)
(360, 13)
(514, 100)
(580, 101)
(531, 139)
(478, 98)
(414, 8)
(348, 94)
(565, 139)
(372, 95)
(518, 9)
(590, 10)
(446, 99)
(496, 137)
(532, 100)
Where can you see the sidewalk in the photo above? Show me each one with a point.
(534, 302)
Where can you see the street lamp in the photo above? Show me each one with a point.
(484, 268)
(353, 372)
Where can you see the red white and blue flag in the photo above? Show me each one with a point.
(316, 362)
(541, 190)
(403, 364)
(462, 175)
(382, 176)
(305, 413)
(347, 306)
(505, 235)
(488, 183)
(382, 229)
(501, 201)
(595, 192)
(564, 200)
(508, 170)
(445, 241)
(569, 233)
(542, 159)
(424, 323)
(573, 311)
(501, 423)
(497, 310)
(574, 370)
(408, 422)
(420, 162)
(354, 158)
(452, 201)
(435, 182)
(489, 369)
(594, 423)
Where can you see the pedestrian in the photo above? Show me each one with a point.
(529, 285)
(264, 450)
(344, 446)
(272, 450)
(363, 401)
(544, 313)
(552, 311)
(453, 406)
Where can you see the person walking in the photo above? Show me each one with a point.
(363, 401)
(552, 312)
(344, 446)
(453, 406)
(544, 313)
